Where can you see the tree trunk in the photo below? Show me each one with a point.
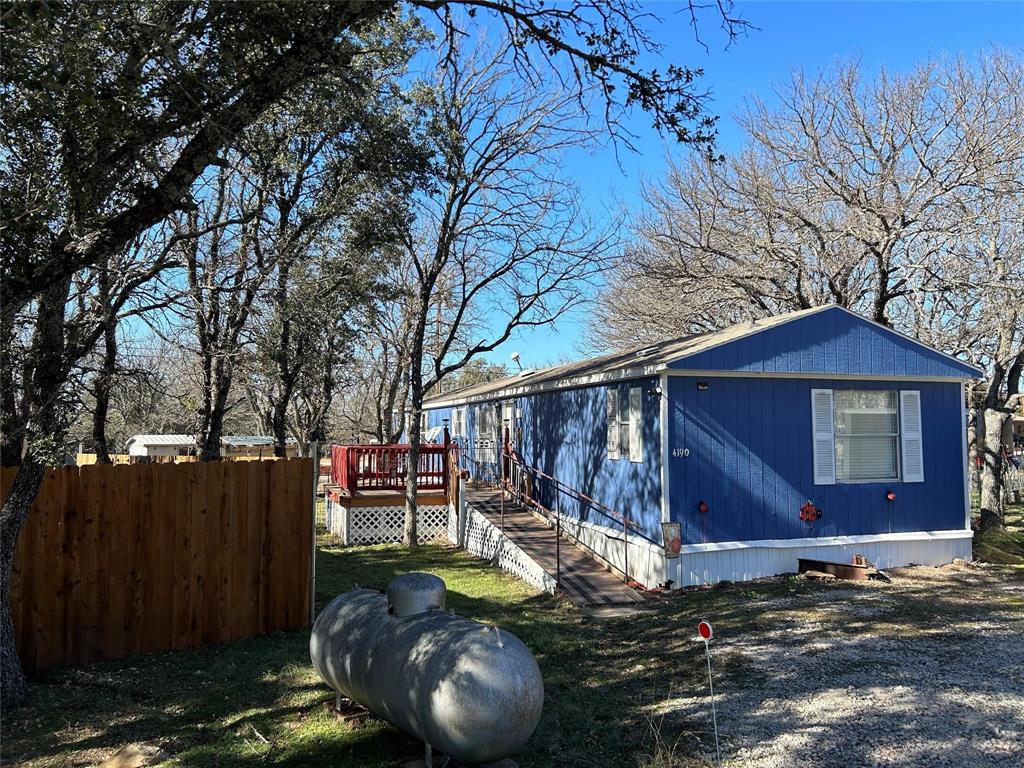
(992, 470)
(279, 422)
(15, 511)
(11, 426)
(974, 440)
(104, 384)
(409, 534)
(48, 378)
(210, 449)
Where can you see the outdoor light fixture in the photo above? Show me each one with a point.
(702, 506)
(890, 495)
(656, 391)
(515, 359)
(702, 386)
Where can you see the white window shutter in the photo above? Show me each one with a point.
(636, 450)
(823, 437)
(613, 422)
(910, 436)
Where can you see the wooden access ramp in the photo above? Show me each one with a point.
(579, 576)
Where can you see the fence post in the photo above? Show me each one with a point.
(558, 548)
(447, 442)
(462, 510)
(501, 472)
(314, 451)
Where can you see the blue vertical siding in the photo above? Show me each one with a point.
(564, 434)
(749, 445)
(436, 418)
(832, 341)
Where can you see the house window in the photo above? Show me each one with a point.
(624, 420)
(486, 443)
(458, 422)
(866, 436)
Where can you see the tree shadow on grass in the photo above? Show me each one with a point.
(254, 700)
(605, 681)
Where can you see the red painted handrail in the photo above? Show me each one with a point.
(385, 467)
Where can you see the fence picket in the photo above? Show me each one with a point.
(149, 557)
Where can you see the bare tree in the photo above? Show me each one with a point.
(898, 197)
(178, 84)
(503, 243)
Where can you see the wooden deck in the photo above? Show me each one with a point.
(582, 579)
(389, 498)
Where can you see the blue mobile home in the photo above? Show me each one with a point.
(730, 434)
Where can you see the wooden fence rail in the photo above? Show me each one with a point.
(117, 560)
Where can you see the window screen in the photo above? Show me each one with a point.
(624, 423)
(866, 435)
(612, 423)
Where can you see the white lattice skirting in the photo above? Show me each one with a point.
(384, 525)
(486, 541)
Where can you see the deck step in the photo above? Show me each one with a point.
(582, 579)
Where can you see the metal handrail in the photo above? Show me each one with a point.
(514, 461)
(580, 496)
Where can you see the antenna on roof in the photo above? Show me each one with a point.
(515, 359)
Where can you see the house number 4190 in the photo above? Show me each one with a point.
(680, 453)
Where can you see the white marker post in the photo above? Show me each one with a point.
(706, 633)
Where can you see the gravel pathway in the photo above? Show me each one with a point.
(925, 671)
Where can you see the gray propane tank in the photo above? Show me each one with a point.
(472, 691)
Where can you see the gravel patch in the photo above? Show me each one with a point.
(926, 671)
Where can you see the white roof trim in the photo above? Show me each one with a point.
(627, 374)
(163, 440)
(574, 382)
(712, 374)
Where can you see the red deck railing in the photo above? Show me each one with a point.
(384, 467)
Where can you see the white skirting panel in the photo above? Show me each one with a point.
(385, 524)
(487, 542)
(740, 561)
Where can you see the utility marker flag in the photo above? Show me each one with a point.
(706, 632)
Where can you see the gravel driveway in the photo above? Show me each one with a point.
(925, 671)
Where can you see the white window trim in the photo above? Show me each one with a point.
(459, 422)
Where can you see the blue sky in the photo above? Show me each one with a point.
(791, 35)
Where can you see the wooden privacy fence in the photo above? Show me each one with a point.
(120, 560)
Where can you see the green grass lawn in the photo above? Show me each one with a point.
(1005, 547)
(259, 700)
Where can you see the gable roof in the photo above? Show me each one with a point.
(696, 352)
(254, 441)
(176, 441)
